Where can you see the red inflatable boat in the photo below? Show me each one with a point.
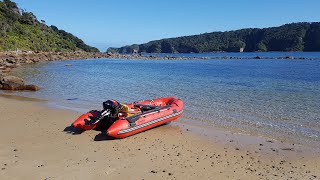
(137, 117)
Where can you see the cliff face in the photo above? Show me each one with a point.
(21, 30)
(288, 37)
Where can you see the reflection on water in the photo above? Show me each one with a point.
(275, 98)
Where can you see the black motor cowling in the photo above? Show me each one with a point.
(113, 106)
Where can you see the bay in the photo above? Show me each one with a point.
(273, 98)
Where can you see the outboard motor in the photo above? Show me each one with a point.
(113, 107)
(107, 116)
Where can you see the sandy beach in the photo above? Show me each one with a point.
(36, 143)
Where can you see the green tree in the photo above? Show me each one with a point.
(312, 38)
(166, 47)
(261, 46)
(28, 18)
(11, 5)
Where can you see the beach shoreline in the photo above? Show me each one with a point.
(37, 144)
(13, 59)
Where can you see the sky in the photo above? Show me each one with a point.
(115, 23)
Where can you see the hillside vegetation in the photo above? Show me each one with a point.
(21, 30)
(288, 37)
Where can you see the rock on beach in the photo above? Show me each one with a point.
(31, 87)
(14, 83)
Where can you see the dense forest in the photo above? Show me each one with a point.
(21, 30)
(288, 37)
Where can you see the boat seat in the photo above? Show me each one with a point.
(135, 117)
(144, 107)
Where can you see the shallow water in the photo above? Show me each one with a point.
(274, 98)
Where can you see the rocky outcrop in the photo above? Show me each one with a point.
(12, 79)
(13, 83)
(12, 59)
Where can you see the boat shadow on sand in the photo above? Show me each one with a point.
(102, 136)
(72, 130)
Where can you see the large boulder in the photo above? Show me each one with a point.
(32, 87)
(12, 79)
(12, 83)
(12, 86)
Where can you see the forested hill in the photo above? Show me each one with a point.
(288, 37)
(21, 30)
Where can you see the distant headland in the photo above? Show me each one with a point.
(302, 36)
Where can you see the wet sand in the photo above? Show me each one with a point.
(36, 143)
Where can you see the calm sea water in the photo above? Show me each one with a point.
(274, 98)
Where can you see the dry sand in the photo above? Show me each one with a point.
(35, 144)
